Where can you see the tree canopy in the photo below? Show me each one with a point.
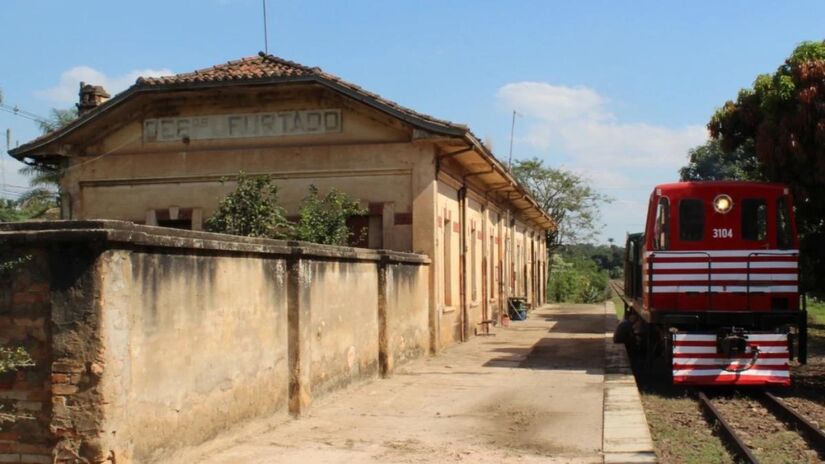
(57, 119)
(567, 197)
(783, 117)
(711, 162)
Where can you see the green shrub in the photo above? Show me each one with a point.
(251, 210)
(577, 279)
(323, 219)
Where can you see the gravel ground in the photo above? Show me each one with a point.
(769, 438)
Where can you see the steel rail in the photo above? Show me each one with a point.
(810, 431)
(729, 434)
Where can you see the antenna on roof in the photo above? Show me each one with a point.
(512, 128)
(266, 36)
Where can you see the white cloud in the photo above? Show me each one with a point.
(577, 122)
(65, 92)
(621, 159)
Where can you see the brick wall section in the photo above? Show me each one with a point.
(24, 393)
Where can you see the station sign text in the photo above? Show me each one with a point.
(233, 126)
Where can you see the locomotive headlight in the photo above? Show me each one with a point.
(722, 203)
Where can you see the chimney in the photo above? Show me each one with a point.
(90, 97)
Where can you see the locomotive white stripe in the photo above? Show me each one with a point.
(712, 349)
(726, 265)
(722, 372)
(754, 288)
(729, 362)
(704, 276)
(712, 337)
(722, 253)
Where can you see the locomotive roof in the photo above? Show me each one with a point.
(715, 185)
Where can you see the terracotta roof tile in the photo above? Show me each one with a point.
(264, 66)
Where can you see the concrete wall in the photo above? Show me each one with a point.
(148, 339)
(199, 343)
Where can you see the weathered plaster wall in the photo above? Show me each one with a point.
(149, 339)
(407, 314)
(343, 302)
(198, 342)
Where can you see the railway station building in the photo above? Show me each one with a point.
(166, 150)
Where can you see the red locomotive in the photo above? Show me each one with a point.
(713, 283)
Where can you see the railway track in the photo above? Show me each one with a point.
(811, 437)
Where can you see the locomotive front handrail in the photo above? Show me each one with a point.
(766, 253)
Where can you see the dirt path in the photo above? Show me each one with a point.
(531, 393)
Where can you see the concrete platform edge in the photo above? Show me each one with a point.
(626, 437)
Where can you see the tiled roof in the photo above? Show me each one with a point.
(265, 67)
(253, 67)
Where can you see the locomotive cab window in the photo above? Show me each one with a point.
(691, 219)
(661, 240)
(754, 219)
(783, 225)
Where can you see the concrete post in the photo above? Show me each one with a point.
(298, 334)
(385, 362)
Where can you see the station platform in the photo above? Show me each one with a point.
(552, 388)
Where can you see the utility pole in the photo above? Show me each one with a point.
(512, 128)
(3, 158)
(266, 35)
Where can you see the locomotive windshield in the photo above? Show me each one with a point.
(754, 219)
(691, 219)
(784, 239)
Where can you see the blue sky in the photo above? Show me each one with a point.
(617, 91)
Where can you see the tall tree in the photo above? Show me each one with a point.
(44, 180)
(567, 197)
(57, 119)
(783, 116)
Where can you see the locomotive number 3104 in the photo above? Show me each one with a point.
(722, 233)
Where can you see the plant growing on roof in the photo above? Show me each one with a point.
(251, 210)
(323, 219)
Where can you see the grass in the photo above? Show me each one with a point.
(816, 311)
(618, 305)
(680, 433)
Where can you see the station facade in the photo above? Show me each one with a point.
(165, 151)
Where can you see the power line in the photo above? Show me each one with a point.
(16, 113)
